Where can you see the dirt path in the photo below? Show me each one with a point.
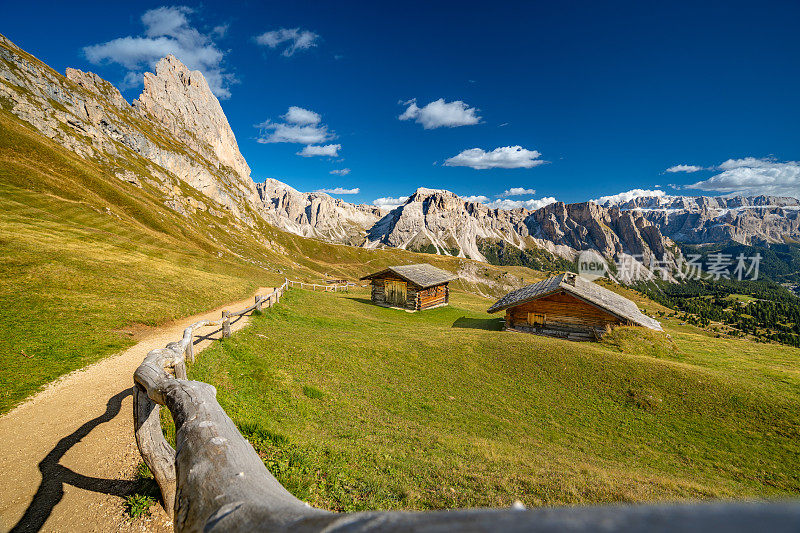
(68, 455)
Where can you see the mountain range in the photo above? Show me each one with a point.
(175, 140)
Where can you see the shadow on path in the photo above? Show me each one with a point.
(55, 476)
(216, 335)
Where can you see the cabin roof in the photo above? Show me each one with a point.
(421, 274)
(583, 289)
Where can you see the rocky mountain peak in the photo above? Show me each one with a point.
(94, 83)
(315, 214)
(181, 100)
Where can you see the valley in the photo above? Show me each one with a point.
(121, 220)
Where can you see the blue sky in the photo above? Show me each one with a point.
(581, 99)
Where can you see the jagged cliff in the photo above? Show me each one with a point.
(176, 133)
(440, 221)
(705, 219)
(315, 214)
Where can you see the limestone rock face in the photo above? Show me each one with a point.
(441, 222)
(97, 85)
(182, 102)
(89, 116)
(175, 140)
(706, 219)
(315, 214)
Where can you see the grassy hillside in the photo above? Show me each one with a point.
(88, 262)
(354, 406)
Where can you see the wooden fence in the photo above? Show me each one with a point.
(214, 481)
(327, 288)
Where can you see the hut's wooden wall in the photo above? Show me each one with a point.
(416, 298)
(433, 296)
(564, 315)
(378, 294)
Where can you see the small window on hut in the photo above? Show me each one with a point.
(535, 319)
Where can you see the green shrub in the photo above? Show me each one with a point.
(138, 505)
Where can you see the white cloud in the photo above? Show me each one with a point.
(505, 157)
(754, 176)
(390, 203)
(301, 116)
(684, 168)
(341, 171)
(627, 196)
(220, 30)
(166, 31)
(476, 198)
(439, 113)
(749, 162)
(340, 190)
(327, 150)
(517, 191)
(294, 39)
(302, 126)
(530, 205)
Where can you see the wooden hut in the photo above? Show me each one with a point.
(571, 307)
(414, 287)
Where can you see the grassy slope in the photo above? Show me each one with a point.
(354, 406)
(85, 258)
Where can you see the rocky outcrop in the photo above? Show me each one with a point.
(706, 219)
(89, 116)
(182, 102)
(176, 133)
(315, 214)
(611, 232)
(441, 222)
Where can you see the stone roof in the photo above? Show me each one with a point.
(421, 274)
(583, 289)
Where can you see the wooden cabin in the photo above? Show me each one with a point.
(416, 287)
(570, 307)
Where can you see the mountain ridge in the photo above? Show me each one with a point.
(176, 131)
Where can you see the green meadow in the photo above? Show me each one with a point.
(354, 406)
(88, 262)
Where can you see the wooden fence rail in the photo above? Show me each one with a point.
(327, 288)
(216, 482)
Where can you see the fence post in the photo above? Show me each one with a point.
(158, 455)
(258, 303)
(189, 354)
(226, 325)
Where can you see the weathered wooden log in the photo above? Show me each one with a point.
(689, 518)
(243, 311)
(189, 353)
(226, 325)
(258, 302)
(157, 454)
(179, 363)
(221, 479)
